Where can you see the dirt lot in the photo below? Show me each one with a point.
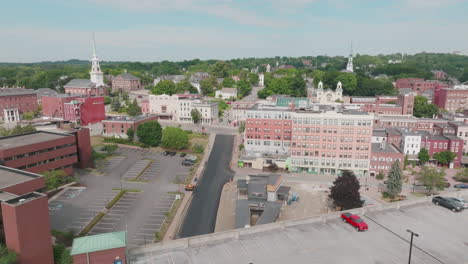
(311, 202)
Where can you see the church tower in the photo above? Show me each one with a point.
(97, 77)
(350, 67)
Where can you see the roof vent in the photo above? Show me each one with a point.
(22, 200)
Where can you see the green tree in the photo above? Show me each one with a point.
(149, 133)
(7, 256)
(107, 100)
(184, 86)
(53, 178)
(423, 109)
(133, 109)
(164, 87)
(18, 129)
(345, 191)
(423, 156)
(462, 176)
(380, 176)
(432, 178)
(444, 157)
(130, 134)
(464, 77)
(252, 78)
(28, 115)
(220, 69)
(349, 82)
(244, 88)
(394, 182)
(229, 82)
(318, 76)
(206, 86)
(174, 138)
(196, 115)
(115, 105)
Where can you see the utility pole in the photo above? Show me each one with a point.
(411, 244)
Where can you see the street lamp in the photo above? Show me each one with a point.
(411, 244)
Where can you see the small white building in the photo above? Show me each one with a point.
(166, 106)
(410, 143)
(261, 80)
(208, 110)
(227, 93)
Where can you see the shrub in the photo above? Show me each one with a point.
(380, 176)
(198, 148)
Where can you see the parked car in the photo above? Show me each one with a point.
(187, 163)
(189, 187)
(461, 186)
(461, 201)
(191, 158)
(183, 154)
(165, 153)
(448, 203)
(355, 221)
(172, 153)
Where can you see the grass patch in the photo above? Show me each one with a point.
(123, 141)
(137, 180)
(126, 190)
(158, 236)
(116, 199)
(91, 224)
(143, 171)
(96, 140)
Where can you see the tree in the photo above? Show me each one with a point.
(244, 88)
(133, 109)
(380, 176)
(107, 100)
(345, 191)
(184, 86)
(53, 178)
(462, 176)
(444, 157)
(174, 138)
(229, 82)
(149, 133)
(349, 82)
(220, 69)
(394, 182)
(253, 78)
(432, 178)
(164, 87)
(28, 115)
(423, 109)
(423, 156)
(196, 115)
(115, 105)
(206, 86)
(130, 134)
(7, 256)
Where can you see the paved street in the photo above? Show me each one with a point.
(201, 215)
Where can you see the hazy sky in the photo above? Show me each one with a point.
(155, 30)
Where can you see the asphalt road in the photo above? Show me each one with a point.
(201, 215)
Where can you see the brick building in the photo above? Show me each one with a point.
(25, 216)
(439, 143)
(420, 85)
(16, 101)
(126, 82)
(387, 105)
(383, 155)
(461, 131)
(102, 248)
(53, 105)
(86, 110)
(117, 126)
(454, 99)
(43, 151)
(84, 87)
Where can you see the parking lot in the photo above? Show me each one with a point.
(139, 212)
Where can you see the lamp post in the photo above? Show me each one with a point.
(411, 244)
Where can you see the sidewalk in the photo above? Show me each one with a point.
(176, 223)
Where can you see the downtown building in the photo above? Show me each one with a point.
(452, 99)
(16, 101)
(117, 126)
(318, 139)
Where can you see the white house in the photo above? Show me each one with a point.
(410, 143)
(226, 93)
(261, 80)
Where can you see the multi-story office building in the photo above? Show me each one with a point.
(453, 99)
(118, 126)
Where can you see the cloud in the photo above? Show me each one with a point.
(431, 3)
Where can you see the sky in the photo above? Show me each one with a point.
(156, 30)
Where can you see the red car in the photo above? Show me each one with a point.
(355, 221)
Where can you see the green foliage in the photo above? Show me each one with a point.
(345, 191)
(125, 96)
(405, 162)
(109, 148)
(133, 109)
(54, 178)
(423, 156)
(65, 258)
(229, 82)
(4, 132)
(207, 86)
(222, 106)
(394, 182)
(107, 100)
(149, 133)
(198, 149)
(243, 87)
(464, 77)
(287, 85)
(220, 69)
(7, 256)
(462, 176)
(252, 78)
(349, 82)
(444, 157)
(28, 115)
(174, 138)
(115, 104)
(185, 85)
(130, 134)
(380, 176)
(241, 127)
(432, 178)
(164, 87)
(372, 87)
(122, 141)
(423, 109)
(196, 115)
(63, 237)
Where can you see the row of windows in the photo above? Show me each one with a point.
(265, 123)
(329, 154)
(31, 154)
(268, 143)
(269, 115)
(329, 163)
(331, 122)
(329, 146)
(267, 130)
(35, 164)
(276, 137)
(387, 159)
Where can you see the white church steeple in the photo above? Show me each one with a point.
(97, 77)
(350, 67)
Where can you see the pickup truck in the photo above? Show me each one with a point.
(355, 221)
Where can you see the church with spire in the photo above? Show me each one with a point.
(94, 85)
(350, 66)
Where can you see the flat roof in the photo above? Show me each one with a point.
(326, 239)
(99, 242)
(10, 176)
(389, 148)
(16, 91)
(128, 118)
(28, 139)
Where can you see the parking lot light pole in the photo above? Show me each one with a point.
(411, 244)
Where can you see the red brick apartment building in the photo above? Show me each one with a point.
(43, 151)
(117, 126)
(25, 216)
(383, 155)
(86, 110)
(420, 85)
(16, 101)
(452, 99)
(126, 82)
(53, 105)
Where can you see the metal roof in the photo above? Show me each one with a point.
(80, 83)
(99, 242)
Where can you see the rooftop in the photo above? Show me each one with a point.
(384, 148)
(128, 118)
(16, 91)
(229, 90)
(100, 242)
(127, 76)
(10, 176)
(379, 133)
(80, 83)
(28, 139)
